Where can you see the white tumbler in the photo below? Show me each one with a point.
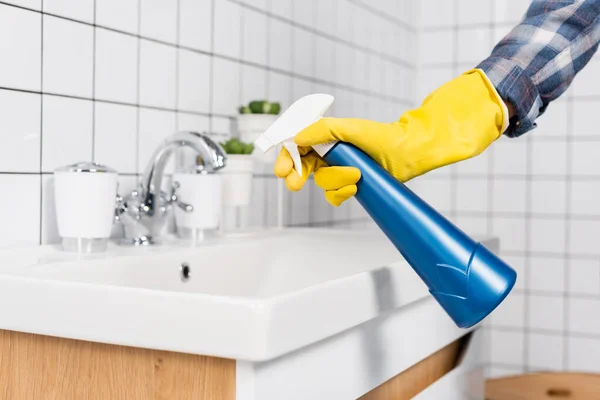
(199, 204)
(85, 195)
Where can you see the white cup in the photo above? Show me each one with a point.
(199, 204)
(85, 195)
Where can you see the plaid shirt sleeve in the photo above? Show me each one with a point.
(537, 61)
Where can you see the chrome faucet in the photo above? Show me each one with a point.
(143, 212)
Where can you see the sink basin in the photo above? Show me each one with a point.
(252, 298)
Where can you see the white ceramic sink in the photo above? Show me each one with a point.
(251, 298)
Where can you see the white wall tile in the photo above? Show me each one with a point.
(549, 158)
(582, 315)
(280, 43)
(584, 277)
(511, 312)
(471, 195)
(301, 87)
(282, 8)
(510, 10)
(584, 197)
(279, 88)
(546, 312)
(254, 39)
(436, 48)
(116, 136)
(195, 24)
(69, 121)
(81, 10)
(221, 126)
(511, 232)
(474, 11)
(344, 17)
(21, 220)
(194, 82)
(226, 86)
(303, 52)
(303, 12)
(585, 83)
(435, 13)
(68, 57)
(545, 351)
(585, 118)
(505, 371)
(343, 65)
(430, 79)
(548, 197)
(158, 20)
(584, 354)
(33, 4)
(478, 165)
(510, 156)
(554, 121)
(253, 84)
(547, 274)
(192, 122)
(116, 66)
(474, 44)
(509, 195)
(260, 4)
(324, 20)
(21, 59)
(118, 14)
(437, 193)
(547, 235)
(506, 347)
(472, 226)
(20, 132)
(583, 235)
(157, 74)
(583, 158)
(227, 28)
(325, 59)
(155, 127)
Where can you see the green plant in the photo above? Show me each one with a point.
(235, 146)
(260, 107)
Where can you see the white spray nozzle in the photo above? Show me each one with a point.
(304, 112)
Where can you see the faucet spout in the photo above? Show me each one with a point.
(211, 153)
(147, 207)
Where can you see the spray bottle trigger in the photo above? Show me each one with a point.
(292, 149)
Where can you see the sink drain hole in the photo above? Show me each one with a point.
(186, 272)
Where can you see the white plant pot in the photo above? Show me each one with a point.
(250, 127)
(237, 179)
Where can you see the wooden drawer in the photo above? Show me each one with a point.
(545, 386)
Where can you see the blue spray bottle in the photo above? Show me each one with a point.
(466, 279)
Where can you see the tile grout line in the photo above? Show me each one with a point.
(94, 50)
(567, 233)
(41, 208)
(138, 91)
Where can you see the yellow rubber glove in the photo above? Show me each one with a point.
(456, 122)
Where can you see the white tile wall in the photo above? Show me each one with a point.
(114, 78)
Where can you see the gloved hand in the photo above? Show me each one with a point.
(456, 122)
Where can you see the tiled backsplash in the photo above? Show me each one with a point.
(538, 193)
(108, 80)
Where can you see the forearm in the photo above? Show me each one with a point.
(537, 61)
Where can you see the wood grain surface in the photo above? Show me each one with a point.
(43, 367)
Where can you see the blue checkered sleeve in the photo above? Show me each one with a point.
(537, 61)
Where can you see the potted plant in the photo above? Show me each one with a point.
(253, 120)
(237, 174)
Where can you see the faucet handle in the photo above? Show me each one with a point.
(173, 198)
